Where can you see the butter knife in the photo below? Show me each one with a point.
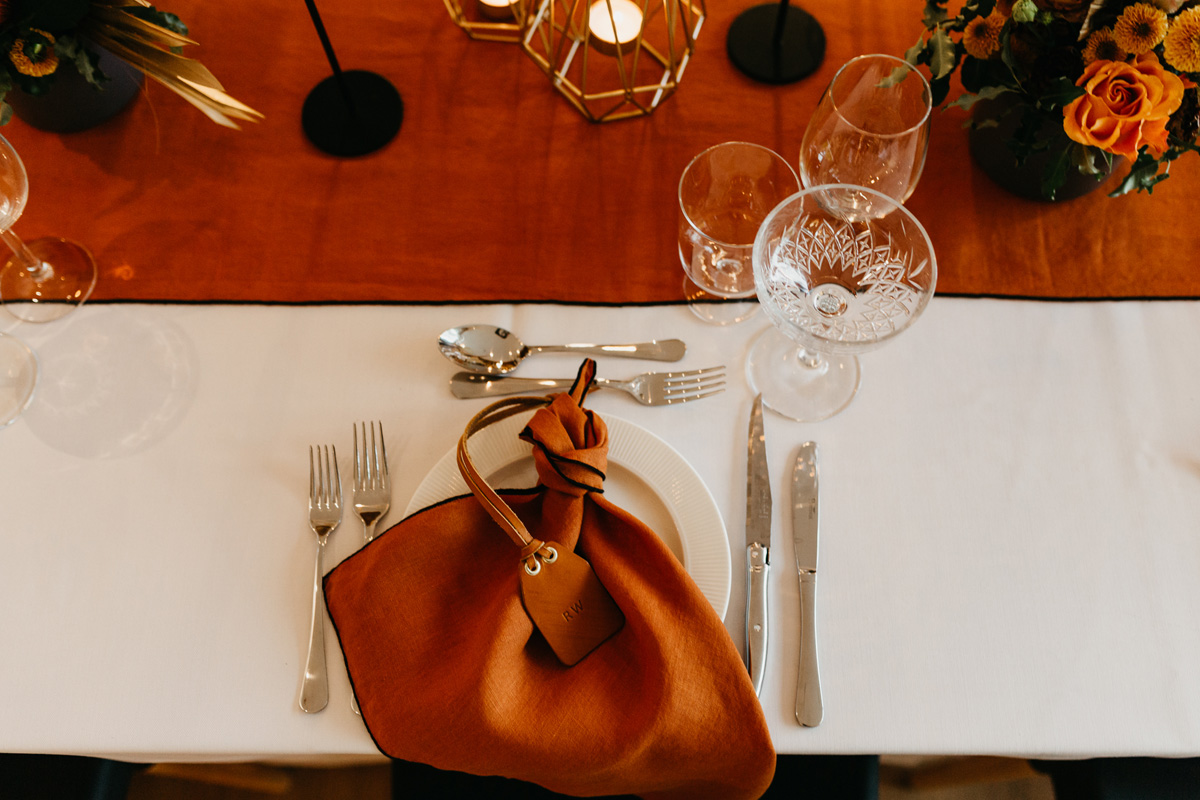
(805, 525)
(758, 546)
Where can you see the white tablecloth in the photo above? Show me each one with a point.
(1010, 545)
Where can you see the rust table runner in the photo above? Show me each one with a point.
(496, 189)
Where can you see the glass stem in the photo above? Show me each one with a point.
(38, 270)
(809, 360)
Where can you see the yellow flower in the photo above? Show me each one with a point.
(1182, 45)
(981, 37)
(38, 61)
(1102, 46)
(1140, 28)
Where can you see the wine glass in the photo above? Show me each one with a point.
(44, 279)
(871, 128)
(724, 195)
(839, 270)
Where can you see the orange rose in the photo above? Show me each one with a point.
(1126, 106)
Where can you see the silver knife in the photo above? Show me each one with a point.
(758, 546)
(805, 524)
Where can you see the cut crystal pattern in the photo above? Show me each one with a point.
(835, 281)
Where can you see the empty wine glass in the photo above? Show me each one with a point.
(871, 128)
(724, 195)
(44, 279)
(839, 270)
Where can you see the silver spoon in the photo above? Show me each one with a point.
(494, 351)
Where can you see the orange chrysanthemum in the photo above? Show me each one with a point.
(1102, 46)
(36, 60)
(1140, 28)
(981, 37)
(1181, 48)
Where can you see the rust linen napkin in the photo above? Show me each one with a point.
(449, 671)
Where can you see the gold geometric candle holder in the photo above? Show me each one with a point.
(491, 20)
(613, 59)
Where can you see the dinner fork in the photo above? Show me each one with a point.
(324, 514)
(372, 486)
(649, 388)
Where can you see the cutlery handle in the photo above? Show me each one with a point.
(808, 688)
(665, 350)
(468, 385)
(758, 565)
(314, 693)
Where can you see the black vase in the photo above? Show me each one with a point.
(73, 104)
(989, 147)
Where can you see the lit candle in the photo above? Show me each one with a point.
(496, 9)
(623, 26)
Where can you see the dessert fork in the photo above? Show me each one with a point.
(324, 515)
(649, 388)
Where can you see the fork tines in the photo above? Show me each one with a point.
(680, 387)
(324, 481)
(370, 463)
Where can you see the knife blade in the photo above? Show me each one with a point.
(805, 527)
(758, 546)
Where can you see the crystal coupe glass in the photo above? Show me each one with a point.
(839, 270)
(44, 279)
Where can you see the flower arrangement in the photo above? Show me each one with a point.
(1091, 79)
(37, 37)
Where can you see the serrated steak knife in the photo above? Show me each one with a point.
(758, 546)
(805, 519)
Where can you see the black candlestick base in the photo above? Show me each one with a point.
(775, 45)
(370, 120)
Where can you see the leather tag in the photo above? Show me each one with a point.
(569, 605)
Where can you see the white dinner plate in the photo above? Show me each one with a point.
(645, 476)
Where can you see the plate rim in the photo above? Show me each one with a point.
(623, 437)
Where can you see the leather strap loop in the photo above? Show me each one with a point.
(504, 516)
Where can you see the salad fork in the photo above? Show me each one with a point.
(649, 388)
(372, 486)
(324, 515)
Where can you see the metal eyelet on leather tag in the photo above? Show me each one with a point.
(567, 603)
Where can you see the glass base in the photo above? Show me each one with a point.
(69, 283)
(18, 378)
(803, 386)
(715, 309)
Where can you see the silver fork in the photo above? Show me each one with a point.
(324, 514)
(649, 388)
(372, 486)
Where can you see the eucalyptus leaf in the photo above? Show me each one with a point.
(895, 79)
(966, 101)
(943, 55)
(913, 54)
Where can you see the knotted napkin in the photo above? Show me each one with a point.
(450, 671)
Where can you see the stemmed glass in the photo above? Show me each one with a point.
(871, 128)
(724, 195)
(839, 270)
(44, 279)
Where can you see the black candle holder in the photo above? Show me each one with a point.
(350, 113)
(776, 43)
